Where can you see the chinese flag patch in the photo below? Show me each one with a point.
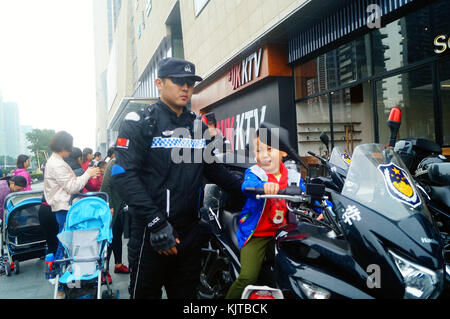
(122, 142)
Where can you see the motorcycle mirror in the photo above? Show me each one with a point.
(439, 173)
(325, 140)
(278, 137)
(394, 122)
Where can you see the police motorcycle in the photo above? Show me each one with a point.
(337, 165)
(378, 241)
(431, 172)
(431, 175)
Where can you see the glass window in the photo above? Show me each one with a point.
(410, 39)
(413, 93)
(199, 5)
(346, 64)
(313, 118)
(353, 116)
(444, 77)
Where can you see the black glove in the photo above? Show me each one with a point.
(163, 238)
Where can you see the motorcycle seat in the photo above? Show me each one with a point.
(229, 222)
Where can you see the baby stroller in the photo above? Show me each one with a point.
(21, 234)
(85, 237)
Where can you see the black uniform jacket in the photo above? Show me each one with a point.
(150, 175)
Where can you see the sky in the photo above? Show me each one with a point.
(47, 65)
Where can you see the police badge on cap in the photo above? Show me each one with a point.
(175, 67)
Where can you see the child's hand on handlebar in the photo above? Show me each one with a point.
(271, 188)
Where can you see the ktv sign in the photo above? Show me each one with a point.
(246, 71)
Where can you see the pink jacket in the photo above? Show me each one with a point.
(23, 172)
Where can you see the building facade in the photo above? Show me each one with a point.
(9, 129)
(307, 65)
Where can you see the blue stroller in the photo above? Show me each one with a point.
(84, 238)
(21, 236)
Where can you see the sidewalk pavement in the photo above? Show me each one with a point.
(30, 283)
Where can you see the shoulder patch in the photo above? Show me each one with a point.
(132, 116)
(117, 169)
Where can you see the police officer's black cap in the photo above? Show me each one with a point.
(177, 68)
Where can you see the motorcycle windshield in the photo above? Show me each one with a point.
(378, 179)
(340, 158)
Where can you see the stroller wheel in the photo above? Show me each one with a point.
(16, 267)
(7, 269)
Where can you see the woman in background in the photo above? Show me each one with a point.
(87, 158)
(60, 182)
(23, 162)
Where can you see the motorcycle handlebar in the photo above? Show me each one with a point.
(290, 191)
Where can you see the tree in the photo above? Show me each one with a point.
(40, 145)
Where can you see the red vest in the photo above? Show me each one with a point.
(274, 213)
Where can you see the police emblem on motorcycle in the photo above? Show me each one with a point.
(399, 185)
(346, 157)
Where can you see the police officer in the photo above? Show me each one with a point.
(163, 192)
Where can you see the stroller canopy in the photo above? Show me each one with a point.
(15, 201)
(90, 213)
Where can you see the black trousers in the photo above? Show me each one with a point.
(179, 274)
(50, 227)
(116, 244)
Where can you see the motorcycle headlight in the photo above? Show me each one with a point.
(312, 291)
(420, 282)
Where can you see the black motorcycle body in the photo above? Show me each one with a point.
(372, 245)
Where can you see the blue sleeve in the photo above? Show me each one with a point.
(251, 180)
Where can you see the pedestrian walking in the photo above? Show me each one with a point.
(164, 196)
(60, 182)
(116, 203)
(23, 162)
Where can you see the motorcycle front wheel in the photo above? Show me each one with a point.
(215, 279)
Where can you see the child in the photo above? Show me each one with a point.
(94, 184)
(260, 219)
(10, 185)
